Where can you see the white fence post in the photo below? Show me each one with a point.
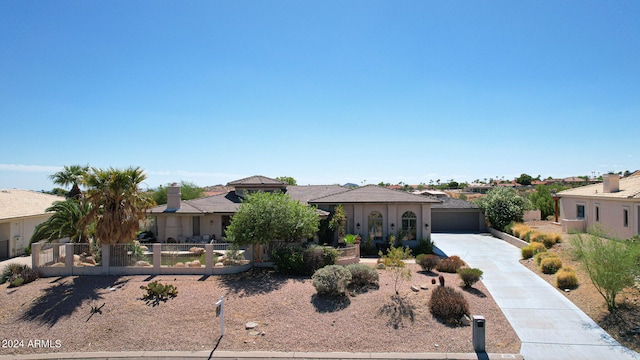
(35, 255)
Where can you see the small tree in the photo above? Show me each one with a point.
(188, 191)
(287, 180)
(264, 217)
(394, 263)
(610, 264)
(503, 205)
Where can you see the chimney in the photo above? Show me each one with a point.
(611, 183)
(173, 197)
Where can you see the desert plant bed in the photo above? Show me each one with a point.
(289, 313)
(623, 324)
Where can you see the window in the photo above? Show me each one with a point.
(409, 225)
(597, 213)
(375, 226)
(625, 217)
(580, 212)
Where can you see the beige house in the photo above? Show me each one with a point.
(613, 204)
(20, 212)
(371, 210)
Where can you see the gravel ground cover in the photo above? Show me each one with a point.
(57, 313)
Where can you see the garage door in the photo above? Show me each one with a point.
(466, 222)
(4, 249)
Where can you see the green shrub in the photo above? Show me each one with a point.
(448, 305)
(288, 260)
(566, 278)
(532, 249)
(470, 276)
(450, 264)
(157, 292)
(425, 246)
(332, 280)
(550, 265)
(543, 255)
(295, 260)
(363, 276)
(316, 257)
(428, 262)
(12, 272)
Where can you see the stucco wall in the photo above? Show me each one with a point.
(391, 214)
(611, 214)
(19, 232)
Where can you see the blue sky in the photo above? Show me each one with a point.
(326, 92)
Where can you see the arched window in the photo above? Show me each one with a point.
(409, 225)
(375, 226)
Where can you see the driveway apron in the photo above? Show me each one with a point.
(548, 324)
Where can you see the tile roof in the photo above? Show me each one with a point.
(15, 203)
(308, 193)
(256, 180)
(374, 194)
(629, 189)
(453, 203)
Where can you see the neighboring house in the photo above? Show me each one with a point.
(371, 210)
(479, 188)
(613, 204)
(20, 212)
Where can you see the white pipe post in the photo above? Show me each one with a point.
(220, 313)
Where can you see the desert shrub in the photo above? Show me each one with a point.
(566, 278)
(450, 264)
(448, 305)
(536, 236)
(425, 246)
(363, 275)
(520, 230)
(470, 276)
(428, 262)
(157, 292)
(550, 265)
(332, 280)
(9, 271)
(17, 274)
(532, 249)
(393, 262)
(556, 237)
(543, 255)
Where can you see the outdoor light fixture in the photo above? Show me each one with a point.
(426, 225)
(358, 226)
(392, 226)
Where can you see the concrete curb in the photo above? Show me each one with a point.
(260, 355)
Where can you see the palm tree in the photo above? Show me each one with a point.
(74, 176)
(64, 222)
(117, 203)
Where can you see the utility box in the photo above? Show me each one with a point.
(479, 326)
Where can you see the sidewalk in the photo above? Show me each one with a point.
(548, 324)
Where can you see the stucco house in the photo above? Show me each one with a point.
(20, 212)
(613, 204)
(371, 210)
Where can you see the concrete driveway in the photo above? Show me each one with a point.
(548, 324)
